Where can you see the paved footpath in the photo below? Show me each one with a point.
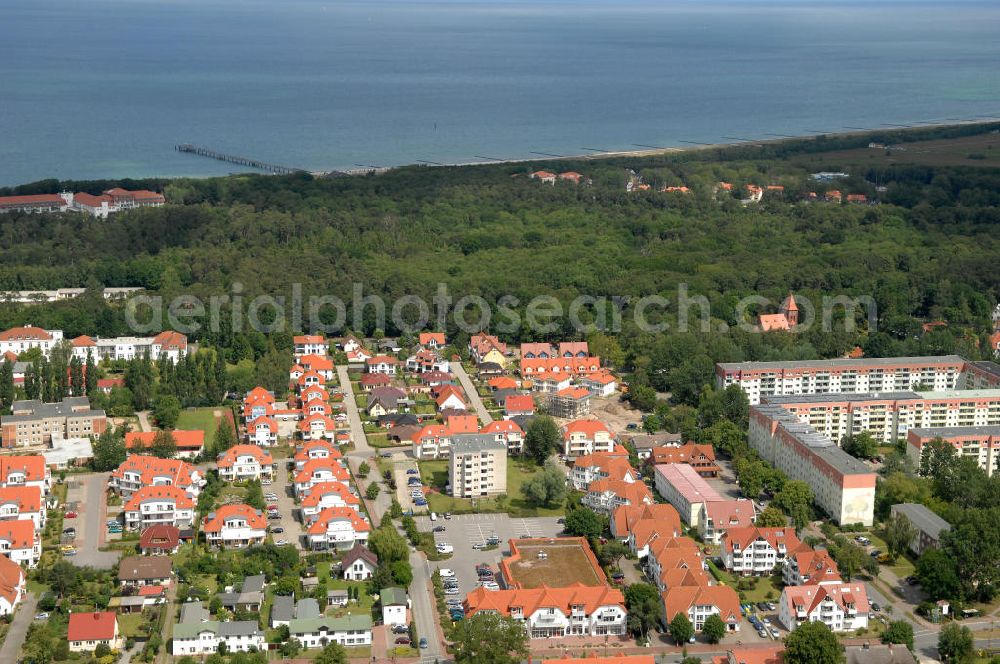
(18, 629)
(471, 392)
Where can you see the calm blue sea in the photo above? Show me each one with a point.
(106, 88)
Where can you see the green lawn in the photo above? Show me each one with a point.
(130, 624)
(752, 591)
(435, 474)
(362, 607)
(200, 418)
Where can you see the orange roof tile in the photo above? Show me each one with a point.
(92, 626)
(229, 457)
(331, 514)
(215, 521)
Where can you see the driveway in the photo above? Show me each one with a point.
(362, 452)
(18, 629)
(286, 506)
(464, 530)
(144, 424)
(471, 392)
(93, 509)
(400, 464)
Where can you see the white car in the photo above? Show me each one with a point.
(451, 591)
(446, 573)
(281, 542)
(491, 585)
(445, 548)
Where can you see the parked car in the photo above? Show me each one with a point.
(403, 640)
(273, 515)
(451, 591)
(631, 426)
(420, 502)
(400, 629)
(412, 471)
(762, 606)
(445, 572)
(875, 607)
(278, 530)
(42, 616)
(875, 554)
(861, 539)
(447, 515)
(444, 547)
(70, 515)
(282, 542)
(775, 633)
(491, 585)
(478, 546)
(423, 642)
(439, 529)
(771, 606)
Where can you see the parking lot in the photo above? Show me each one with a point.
(292, 530)
(465, 530)
(400, 464)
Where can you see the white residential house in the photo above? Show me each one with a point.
(154, 505)
(394, 603)
(245, 462)
(20, 542)
(359, 563)
(328, 494)
(842, 606)
(337, 528)
(235, 526)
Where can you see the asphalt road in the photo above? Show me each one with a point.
(90, 525)
(421, 597)
(470, 391)
(362, 452)
(18, 629)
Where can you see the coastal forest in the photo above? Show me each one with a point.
(924, 244)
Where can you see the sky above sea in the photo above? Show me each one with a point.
(107, 88)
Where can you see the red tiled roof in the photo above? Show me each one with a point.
(11, 579)
(170, 340)
(678, 599)
(322, 489)
(229, 457)
(32, 199)
(161, 492)
(32, 465)
(20, 533)
(184, 440)
(590, 428)
(312, 465)
(160, 536)
(428, 337)
(530, 600)
(626, 517)
(83, 341)
(27, 498)
(214, 522)
(519, 403)
(758, 654)
(304, 339)
(150, 467)
(769, 322)
(331, 514)
(89, 200)
(634, 492)
(25, 334)
(92, 626)
(302, 453)
(502, 426)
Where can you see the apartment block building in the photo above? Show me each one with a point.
(929, 526)
(245, 462)
(889, 416)
(235, 525)
(556, 612)
(582, 437)
(20, 339)
(841, 484)
(842, 376)
(477, 466)
(980, 443)
(139, 471)
(37, 424)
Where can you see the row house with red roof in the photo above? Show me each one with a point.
(23, 502)
(808, 566)
(161, 504)
(21, 542)
(190, 444)
(549, 383)
(843, 607)
(316, 449)
(602, 465)
(518, 405)
(13, 586)
(139, 471)
(309, 344)
(571, 366)
(25, 470)
(320, 364)
(432, 340)
(753, 551)
(606, 495)
(328, 494)
(433, 441)
(317, 471)
(547, 351)
(168, 345)
(600, 384)
(234, 526)
(628, 517)
(384, 364)
(581, 437)
(426, 361)
(700, 457)
(545, 612)
(17, 340)
(337, 528)
(716, 517)
(699, 602)
(508, 432)
(242, 463)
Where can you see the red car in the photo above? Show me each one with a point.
(403, 641)
(69, 515)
